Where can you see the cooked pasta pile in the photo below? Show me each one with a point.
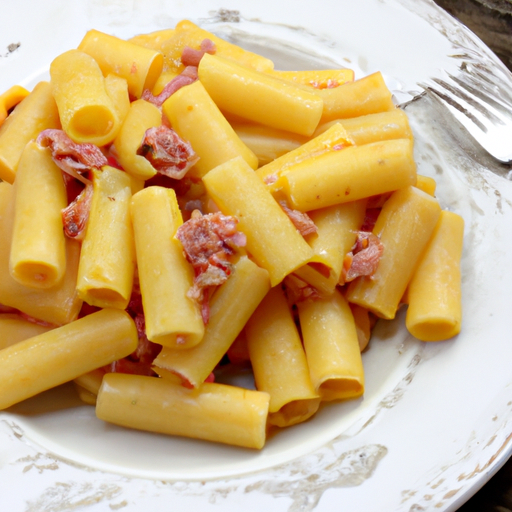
(173, 207)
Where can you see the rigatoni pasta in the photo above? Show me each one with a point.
(207, 219)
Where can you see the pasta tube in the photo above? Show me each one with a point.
(196, 118)
(38, 247)
(337, 228)
(117, 90)
(213, 412)
(172, 318)
(9, 99)
(272, 239)
(317, 78)
(260, 97)
(57, 305)
(368, 95)
(391, 124)
(189, 34)
(404, 227)
(230, 308)
(86, 111)
(14, 328)
(267, 143)
(141, 116)
(353, 173)
(152, 40)
(279, 363)
(107, 259)
(60, 355)
(34, 114)
(434, 293)
(138, 65)
(333, 139)
(332, 347)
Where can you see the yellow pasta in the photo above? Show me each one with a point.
(332, 347)
(260, 97)
(60, 355)
(228, 316)
(86, 111)
(117, 90)
(434, 293)
(34, 114)
(213, 412)
(153, 40)
(267, 143)
(107, 258)
(391, 124)
(172, 318)
(272, 239)
(336, 233)
(38, 248)
(189, 34)
(317, 78)
(57, 305)
(368, 95)
(350, 174)
(141, 116)
(404, 227)
(279, 363)
(427, 184)
(332, 139)
(197, 119)
(14, 328)
(9, 99)
(138, 65)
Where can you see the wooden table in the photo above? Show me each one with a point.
(491, 21)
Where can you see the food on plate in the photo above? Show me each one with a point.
(203, 216)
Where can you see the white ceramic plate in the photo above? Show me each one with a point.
(436, 419)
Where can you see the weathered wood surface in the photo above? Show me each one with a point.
(490, 20)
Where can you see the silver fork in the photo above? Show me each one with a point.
(482, 106)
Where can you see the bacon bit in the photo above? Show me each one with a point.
(8, 310)
(141, 360)
(36, 321)
(302, 221)
(192, 57)
(133, 69)
(337, 147)
(76, 214)
(363, 259)
(370, 219)
(208, 240)
(328, 84)
(270, 179)
(186, 77)
(167, 152)
(71, 157)
(298, 290)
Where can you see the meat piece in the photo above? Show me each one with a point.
(141, 360)
(363, 259)
(302, 221)
(73, 158)
(297, 290)
(76, 214)
(207, 241)
(167, 152)
(192, 57)
(186, 77)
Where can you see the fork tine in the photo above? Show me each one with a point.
(483, 119)
(456, 105)
(480, 94)
(472, 100)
